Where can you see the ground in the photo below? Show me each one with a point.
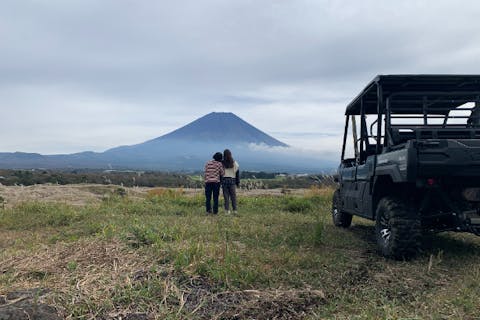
(108, 252)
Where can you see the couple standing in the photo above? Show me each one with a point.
(223, 169)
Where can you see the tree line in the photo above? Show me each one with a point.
(153, 178)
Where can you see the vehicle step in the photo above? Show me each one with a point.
(474, 220)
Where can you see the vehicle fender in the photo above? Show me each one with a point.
(391, 170)
(382, 186)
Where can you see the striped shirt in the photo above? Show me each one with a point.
(213, 171)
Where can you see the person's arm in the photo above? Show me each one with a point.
(222, 172)
(237, 178)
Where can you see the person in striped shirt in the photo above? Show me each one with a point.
(214, 172)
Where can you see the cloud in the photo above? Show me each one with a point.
(93, 74)
(329, 154)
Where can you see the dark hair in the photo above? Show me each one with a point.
(228, 159)
(217, 156)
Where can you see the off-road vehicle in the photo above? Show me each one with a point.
(411, 159)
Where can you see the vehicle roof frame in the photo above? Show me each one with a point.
(371, 99)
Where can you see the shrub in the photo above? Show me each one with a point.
(120, 191)
(143, 235)
(164, 193)
(319, 191)
(297, 205)
(140, 235)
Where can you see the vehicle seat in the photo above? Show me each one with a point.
(370, 149)
(403, 136)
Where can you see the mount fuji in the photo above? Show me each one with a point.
(184, 149)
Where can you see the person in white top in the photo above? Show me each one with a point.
(230, 180)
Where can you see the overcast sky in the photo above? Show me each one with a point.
(95, 74)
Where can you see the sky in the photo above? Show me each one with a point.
(83, 75)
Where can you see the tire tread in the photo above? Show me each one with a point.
(405, 229)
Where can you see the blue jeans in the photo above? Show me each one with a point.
(229, 193)
(212, 188)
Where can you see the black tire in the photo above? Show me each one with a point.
(398, 230)
(340, 218)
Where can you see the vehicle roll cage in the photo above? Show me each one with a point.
(422, 98)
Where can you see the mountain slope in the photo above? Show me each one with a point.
(188, 147)
(215, 127)
(222, 126)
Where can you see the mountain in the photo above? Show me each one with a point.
(215, 127)
(221, 126)
(184, 149)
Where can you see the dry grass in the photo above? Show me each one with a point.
(85, 194)
(76, 273)
(90, 271)
(53, 193)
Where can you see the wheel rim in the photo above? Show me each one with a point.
(335, 212)
(385, 230)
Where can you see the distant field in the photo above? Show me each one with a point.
(249, 180)
(85, 194)
(107, 252)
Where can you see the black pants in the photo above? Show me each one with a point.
(229, 193)
(212, 188)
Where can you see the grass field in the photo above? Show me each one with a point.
(154, 254)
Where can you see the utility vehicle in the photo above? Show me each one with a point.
(411, 159)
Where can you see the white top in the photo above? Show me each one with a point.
(230, 172)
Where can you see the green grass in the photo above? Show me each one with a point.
(280, 253)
